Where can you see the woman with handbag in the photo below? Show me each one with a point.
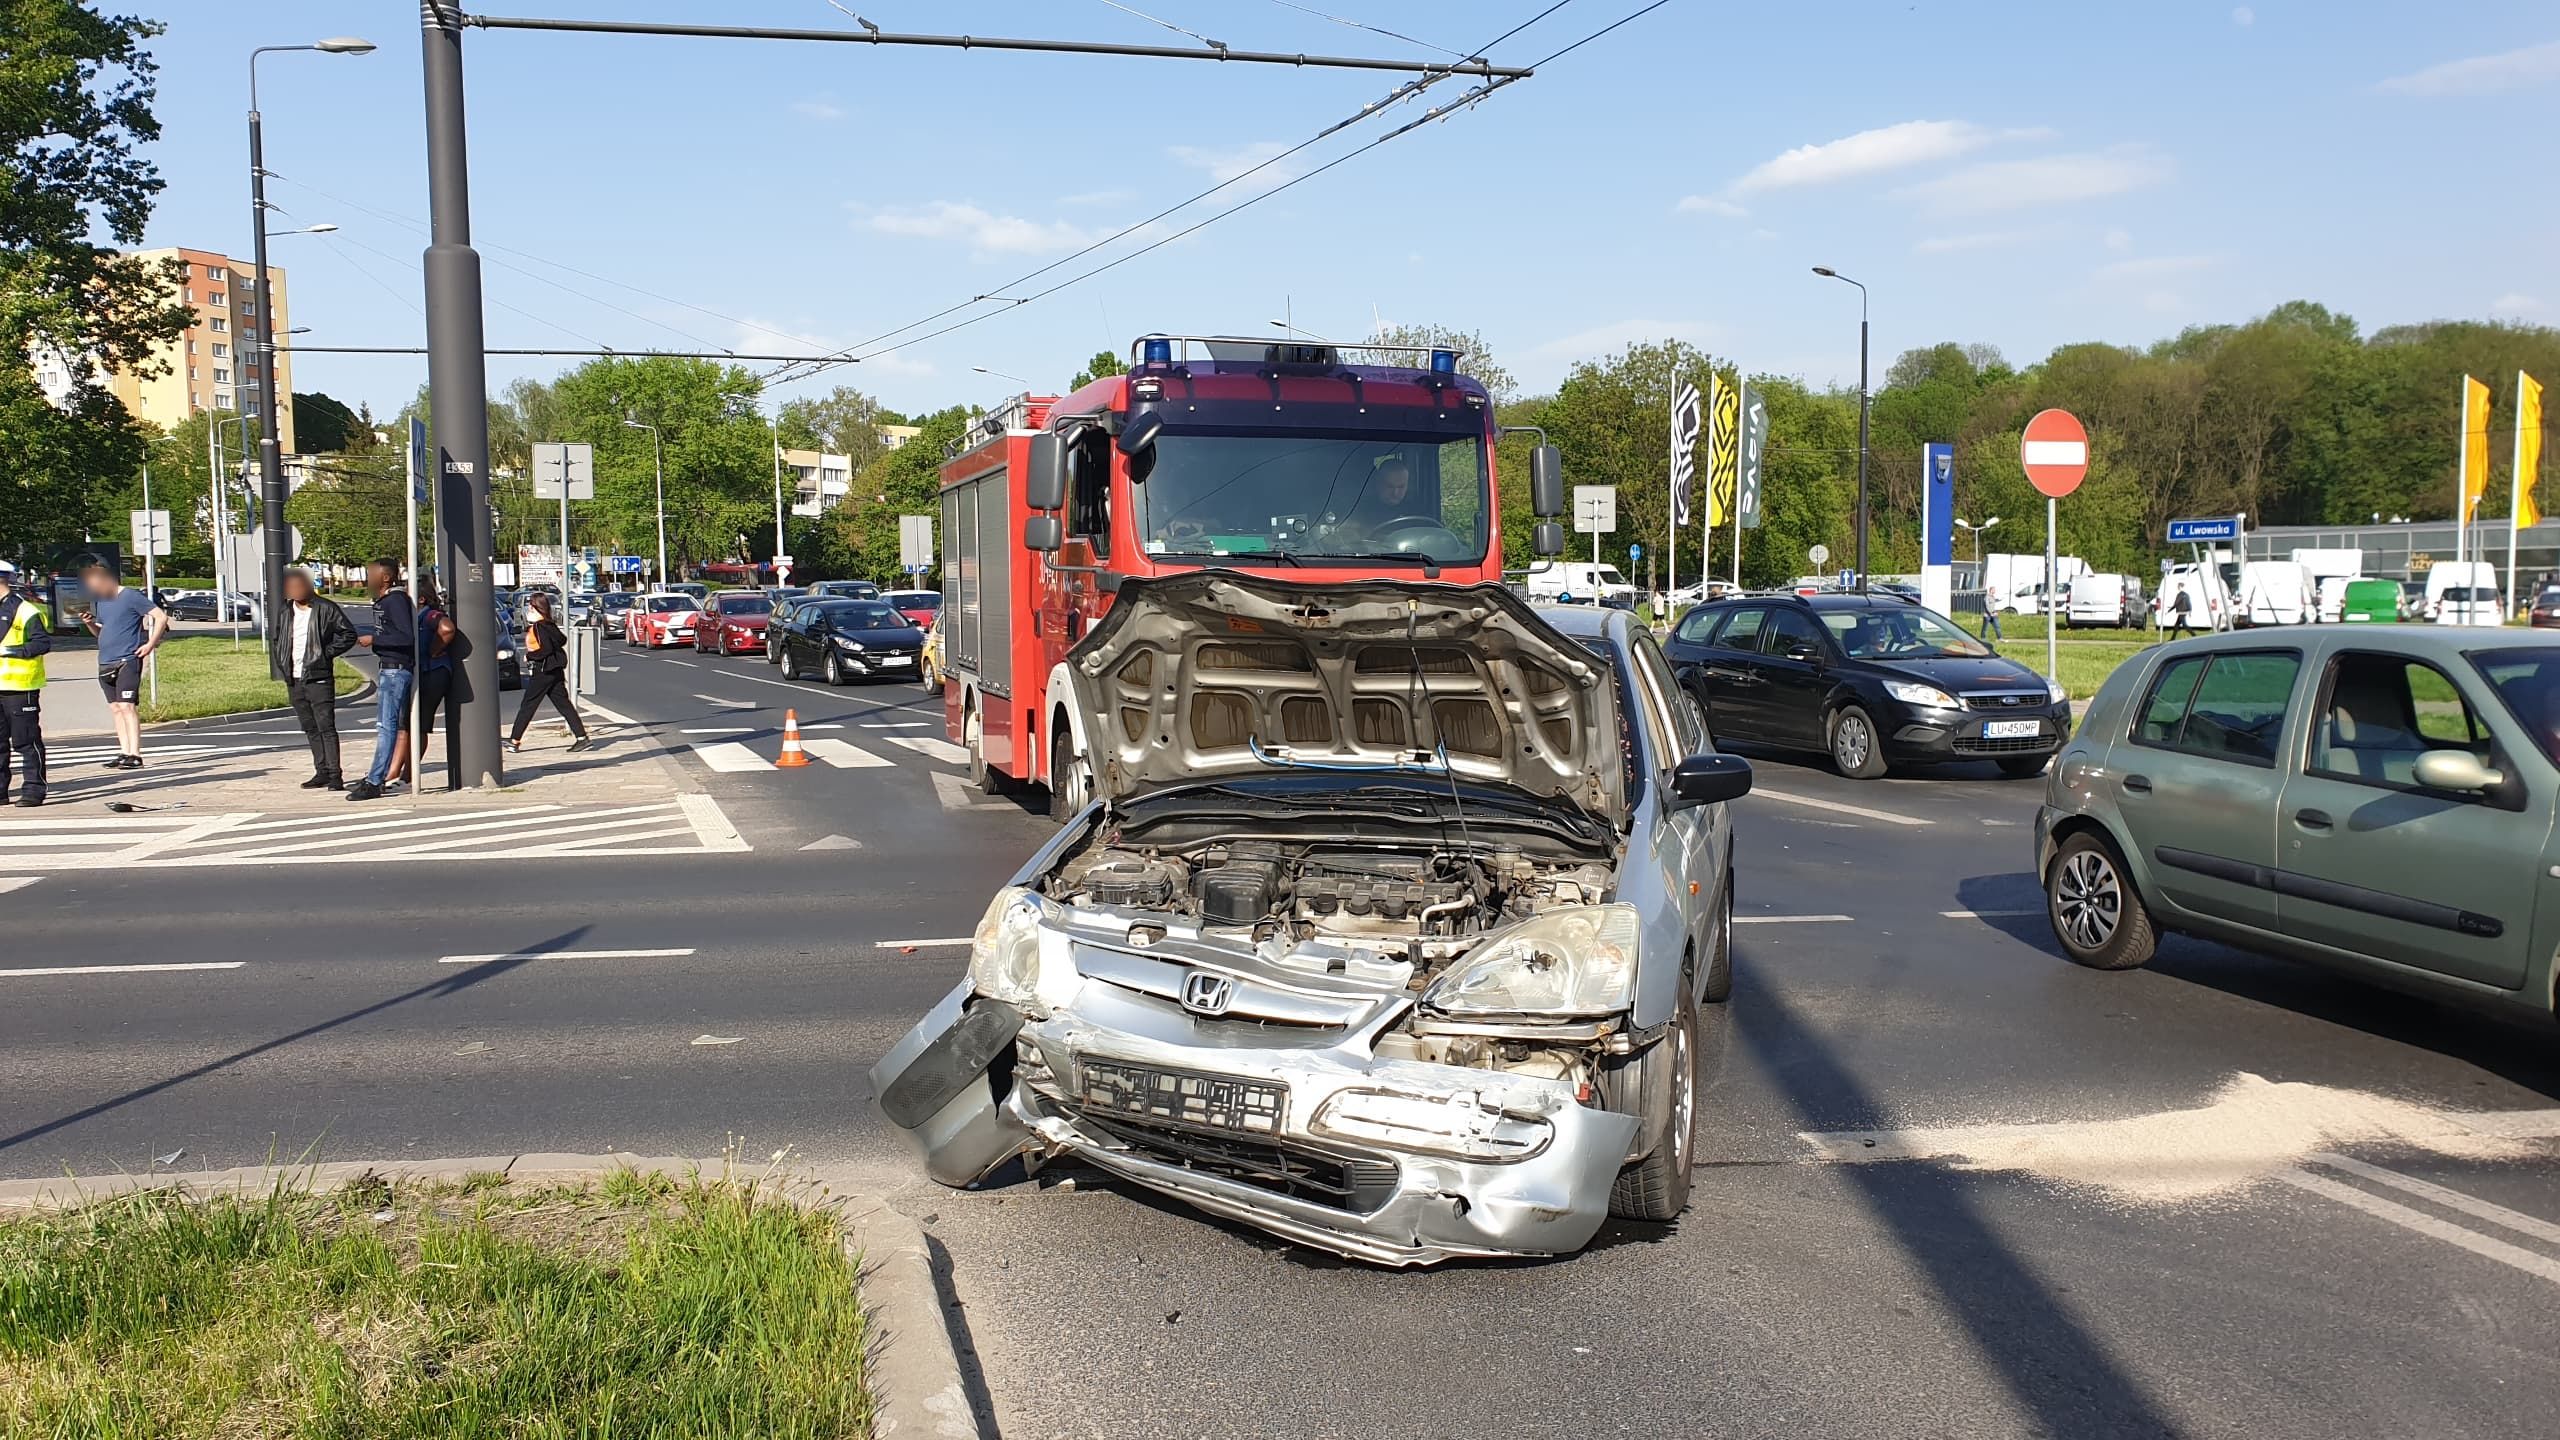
(546, 673)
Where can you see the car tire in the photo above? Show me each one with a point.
(2096, 913)
(1718, 985)
(1659, 1084)
(833, 670)
(1070, 780)
(1855, 747)
(790, 665)
(2023, 767)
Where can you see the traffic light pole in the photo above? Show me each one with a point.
(458, 381)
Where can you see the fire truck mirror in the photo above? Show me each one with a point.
(1043, 532)
(1141, 431)
(1547, 538)
(1044, 487)
(1546, 483)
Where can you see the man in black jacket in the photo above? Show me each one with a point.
(305, 647)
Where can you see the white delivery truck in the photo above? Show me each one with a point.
(2096, 599)
(2277, 592)
(1578, 580)
(2464, 592)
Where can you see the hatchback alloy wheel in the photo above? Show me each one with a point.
(2088, 900)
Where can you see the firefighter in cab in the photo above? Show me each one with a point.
(23, 643)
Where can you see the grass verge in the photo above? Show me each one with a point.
(205, 675)
(637, 1306)
(2085, 667)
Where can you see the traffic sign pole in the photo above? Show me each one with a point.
(2054, 450)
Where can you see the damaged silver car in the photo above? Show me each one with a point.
(1385, 932)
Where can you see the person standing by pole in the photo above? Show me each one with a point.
(304, 644)
(436, 634)
(24, 642)
(394, 643)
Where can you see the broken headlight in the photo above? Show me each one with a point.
(1576, 961)
(1004, 955)
(1479, 1126)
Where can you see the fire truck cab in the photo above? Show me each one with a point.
(1276, 458)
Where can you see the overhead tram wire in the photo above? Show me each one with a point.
(543, 321)
(1406, 91)
(1468, 100)
(1362, 25)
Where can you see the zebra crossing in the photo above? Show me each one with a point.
(736, 757)
(691, 824)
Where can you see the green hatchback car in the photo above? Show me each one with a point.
(2379, 800)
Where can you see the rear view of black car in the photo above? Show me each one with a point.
(1871, 680)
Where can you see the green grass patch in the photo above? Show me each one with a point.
(2084, 667)
(205, 675)
(636, 1307)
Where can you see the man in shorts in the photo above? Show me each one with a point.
(129, 627)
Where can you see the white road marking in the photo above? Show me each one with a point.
(710, 826)
(729, 757)
(931, 748)
(588, 704)
(958, 794)
(722, 730)
(124, 969)
(896, 724)
(1761, 792)
(689, 665)
(2425, 1224)
(17, 882)
(1989, 914)
(723, 701)
(2477, 1209)
(1788, 919)
(830, 725)
(565, 955)
(833, 842)
(921, 944)
(843, 755)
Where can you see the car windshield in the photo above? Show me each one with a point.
(1902, 633)
(667, 604)
(745, 605)
(2528, 681)
(1358, 494)
(866, 615)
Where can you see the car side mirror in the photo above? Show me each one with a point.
(1546, 484)
(2456, 770)
(1547, 538)
(1044, 482)
(1804, 654)
(1710, 779)
(1043, 532)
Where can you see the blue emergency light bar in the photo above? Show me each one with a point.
(1444, 362)
(1159, 351)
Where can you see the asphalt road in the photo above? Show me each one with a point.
(1796, 1297)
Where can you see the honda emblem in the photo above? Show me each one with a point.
(1207, 994)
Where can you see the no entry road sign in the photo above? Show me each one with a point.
(2055, 451)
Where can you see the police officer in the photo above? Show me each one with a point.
(23, 643)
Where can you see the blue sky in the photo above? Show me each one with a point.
(2021, 174)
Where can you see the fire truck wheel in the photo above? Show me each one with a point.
(986, 777)
(1070, 781)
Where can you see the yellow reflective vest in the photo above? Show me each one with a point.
(23, 646)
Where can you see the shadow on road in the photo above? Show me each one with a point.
(2047, 1359)
(462, 979)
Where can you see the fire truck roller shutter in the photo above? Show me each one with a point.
(960, 613)
(996, 538)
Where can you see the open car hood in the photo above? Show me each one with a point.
(1195, 676)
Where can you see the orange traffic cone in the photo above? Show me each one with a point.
(792, 754)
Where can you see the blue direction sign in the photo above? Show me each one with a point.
(626, 564)
(2196, 532)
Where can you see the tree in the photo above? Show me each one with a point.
(350, 510)
(842, 422)
(1104, 362)
(859, 538)
(719, 464)
(322, 425)
(75, 101)
(1476, 356)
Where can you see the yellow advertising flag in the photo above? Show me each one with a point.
(2528, 448)
(1724, 449)
(2475, 445)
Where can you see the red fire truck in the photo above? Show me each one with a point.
(1239, 453)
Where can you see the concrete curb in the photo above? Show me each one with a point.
(357, 696)
(917, 1387)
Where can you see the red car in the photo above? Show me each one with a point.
(733, 623)
(919, 606)
(656, 620)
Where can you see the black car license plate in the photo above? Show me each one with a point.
(1215, 1102)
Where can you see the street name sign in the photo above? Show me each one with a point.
(2055, 452)
(2198, 531)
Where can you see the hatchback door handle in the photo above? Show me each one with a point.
(2138, 784)
(2311, 819)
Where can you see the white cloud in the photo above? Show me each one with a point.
(985, 232)
(2043, 182)
(2244, 17)
(1708, 205)
(1978, 240)
(1097, 197)
(892, 362)
(2515, 302)
(1608, 339)
(817, 109)
(2154, 266)
(1226, 162)
(1869, 152)
(2481, 74)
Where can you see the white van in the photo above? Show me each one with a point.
(2471, 577)
(2277, 592)
(1580, 580)
(2208, 599)
(2111, 600)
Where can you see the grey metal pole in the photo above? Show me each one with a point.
(658, 459)
(458, 384)
(1862, 439)
(779, 546)
(271, 487)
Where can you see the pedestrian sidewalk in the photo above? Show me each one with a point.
(228, 792)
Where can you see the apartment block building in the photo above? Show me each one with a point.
(821, 480)
(214, 365)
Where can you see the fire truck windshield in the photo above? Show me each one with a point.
(1316, 495)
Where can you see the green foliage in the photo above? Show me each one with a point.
(719, 462)
(69, 472)
(352, 508)
(842, 422)
(1104, 362)
(859, 538)
(1476, 356)
(323, 425)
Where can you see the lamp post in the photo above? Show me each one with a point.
(659, 456)
(1827, 273)
(271, 486)
(780, 546)
(1976, 531)
(1001, 375)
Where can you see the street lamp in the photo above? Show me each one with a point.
(1976, 530)
(271, 486)
(1827, 273)
(780, 547)
(999, 374)
(659, 456)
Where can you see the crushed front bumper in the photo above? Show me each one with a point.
(1276, 1127)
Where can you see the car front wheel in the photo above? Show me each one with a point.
(1660, 1085)
(1854, 747)
(833, 669)
(790, 664)
(2096, 913)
